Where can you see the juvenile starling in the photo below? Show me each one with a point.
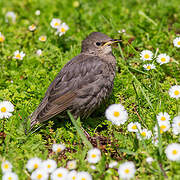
(83, 83)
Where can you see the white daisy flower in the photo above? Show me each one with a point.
(149, 160)
(173, 152)
(71, 164)
(94, 155)
(6, 109)
(2, 38)
(33, 163)
(39, 174)
(43, 38)
(133, 127)
(162, 117)
(62, 29)
(10, 16)
(72, 175)
(49, 165)
(116, 114)
(149, 66)
(55, 23)
(32, 27)
(83, 176)
(39, 52)
(126, 170)
(19, 55)
(146, 55)
(174, 91)
(176, 42)
(10, 176)
(113, 164)
(163, 125)
(144, 133)
(6, 166)
(176, 125)
(38, 12)
(58, 148)
(163, 59)
(59, 174)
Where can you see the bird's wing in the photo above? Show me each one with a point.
(76, 74)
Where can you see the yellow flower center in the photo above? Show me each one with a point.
(174, 152)
(35, 166)
(6, 166)
(116, 114)
(146, 56)
(143, 134)
(39, 176)
(3, 109)
(63, 30)
(178, 43)
(1, 38)
(134, 127)
(49, 166)
(163, 118)
(126, 171)
(56, 24)
(18, 56)
(58, 149)
(163, 127)
(59, 175)
(74, 177)
(176, 92)
(179, 124)
(9, 178)
(83, 178)
(43, 38)
(163, 59)
(93, 156)
(148, 67)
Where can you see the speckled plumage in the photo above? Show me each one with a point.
(82, 84)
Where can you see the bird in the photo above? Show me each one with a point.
(83, 83)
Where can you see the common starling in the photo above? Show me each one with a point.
(83, 83)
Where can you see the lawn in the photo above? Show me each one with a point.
(142, 25)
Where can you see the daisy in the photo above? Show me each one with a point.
(94, 155)
(149, 160)
(39, 174)
(83, 176)
(43, 38)
(71, 164)
(173, 152)
(38, 12)
(6, 166)
(10, 16)
(72, 175)
(10, 176)
(2, 38)
(55, 23)
(113, 164)
(146, 55)
(176, 125)
(58, 148)
(59, 174)
(126, 170)
(174, 91)
(162, 117)
(32, 27)
(144, 133)
(149, 66)
(164, 126)
(62, 29)
(116, 114)
(6, 109)
(176, 42)
(133, 127)
(49, 165)
(39, 52)
(33, 163)
(163, 59)
(19, 55)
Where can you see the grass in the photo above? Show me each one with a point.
(149, 25)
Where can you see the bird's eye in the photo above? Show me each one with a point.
(98, 43)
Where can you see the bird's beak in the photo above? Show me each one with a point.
(111, 42)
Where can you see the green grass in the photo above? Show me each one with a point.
(150, 24)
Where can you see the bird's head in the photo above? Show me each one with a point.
(98, 44)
